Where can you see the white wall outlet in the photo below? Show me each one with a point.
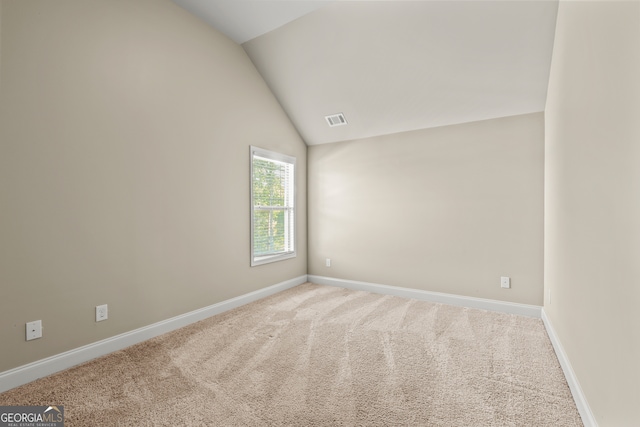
(505, 282)
(34, 330)
(328, 262)
(102, 313)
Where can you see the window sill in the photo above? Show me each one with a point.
(266, 259)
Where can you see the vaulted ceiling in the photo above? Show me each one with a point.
(392, 66)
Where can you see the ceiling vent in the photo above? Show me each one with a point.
(336, 120)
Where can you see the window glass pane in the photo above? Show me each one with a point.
(269, 232)
(269, 179)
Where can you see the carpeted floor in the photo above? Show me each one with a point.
(323, 356)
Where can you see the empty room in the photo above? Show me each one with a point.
(319, 213)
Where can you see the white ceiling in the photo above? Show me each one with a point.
(243, 20)
(393, 66)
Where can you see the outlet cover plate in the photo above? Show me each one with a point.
(505, 282)
(102, 313)
(34, 330)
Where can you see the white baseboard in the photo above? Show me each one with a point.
(41, 368)
(458, 300)
(578, 396)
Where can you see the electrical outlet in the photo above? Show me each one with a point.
(505, 282)
(102, 313)
(34, 330)
(328, 262)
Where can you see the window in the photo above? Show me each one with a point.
(272, 206)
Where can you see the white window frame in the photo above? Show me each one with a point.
(277, 157)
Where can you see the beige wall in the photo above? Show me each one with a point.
(592, 202)
(125, 129)
(448, 209)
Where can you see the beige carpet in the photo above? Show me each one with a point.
(318, 355)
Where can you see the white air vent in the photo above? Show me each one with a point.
(336, 120)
